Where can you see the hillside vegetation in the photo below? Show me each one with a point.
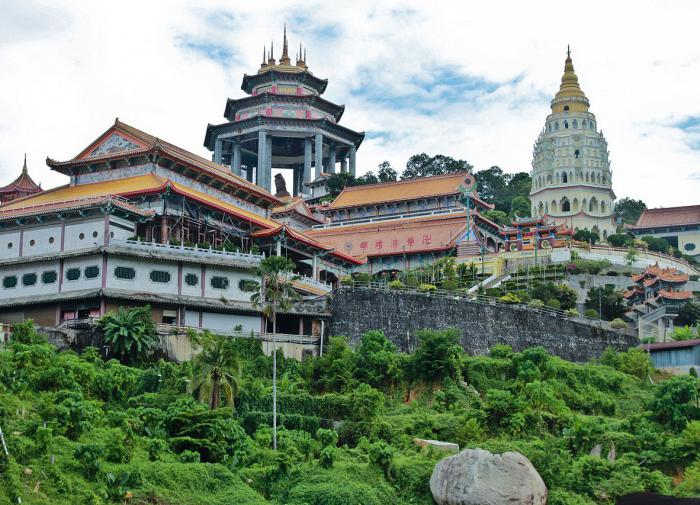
(82, 430)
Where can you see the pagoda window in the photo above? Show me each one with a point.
(576, 153)
(29, 279)
(49, 276)
(9, 281)
(566, 107)
(9, 245)
(160, 276)
(248, 285)
(73, 274)
(564, 178)
(191, 279)
(556, 125)
(219, 282)
(92, 271)
(575, 124)
(583, 124)
(566, 124)
(689, 246)
(127, 273)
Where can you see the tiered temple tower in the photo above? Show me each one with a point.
(20, 187)
(283, 123)
(571, 177)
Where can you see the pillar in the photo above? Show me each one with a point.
(236, 163)
(218, 150)
(353, 152)
(343, 165)
(307, 163)
(318, 165)
(260, 169)
(278, 247)
(267, 181)
(331, 159)
(314, 268)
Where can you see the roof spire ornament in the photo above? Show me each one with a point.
(284, 59)
(24, 167)
(271, 59)
(263, 65)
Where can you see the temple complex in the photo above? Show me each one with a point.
(571, 177)
(23, 185)
(531, 233)
(654, 299)
(283, 123)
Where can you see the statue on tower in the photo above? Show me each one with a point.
(281, 187)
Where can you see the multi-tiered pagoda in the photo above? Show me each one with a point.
(22, 186)
(283, 123)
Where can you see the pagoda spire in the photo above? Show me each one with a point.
(569, 90)
(271, 59)
(24, 167)
(284, 59)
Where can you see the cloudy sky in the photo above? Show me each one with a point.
(467, 79)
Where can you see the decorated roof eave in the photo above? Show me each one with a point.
(259, 120)
(258, 194)
(250, 81)
(296, 236)
(573, 186)
(235, 104)
(441, 248)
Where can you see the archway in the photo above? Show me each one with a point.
(593, 205)
(565, 205)
(575, 205)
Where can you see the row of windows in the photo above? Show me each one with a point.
(51, 240)
(162, 276)
(50, 277)
(574, 124)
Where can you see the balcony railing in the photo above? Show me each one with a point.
(155, 246)
(280, 338)
(390, 217)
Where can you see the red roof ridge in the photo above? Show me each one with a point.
(405, 181)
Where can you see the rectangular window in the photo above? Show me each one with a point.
(124, 273)
(28, 279)
(9, 281)
(219, 282)
(73, 274)
(49, 277)
(191, 279)
(160, 276)
(92, 272)
(248, 286)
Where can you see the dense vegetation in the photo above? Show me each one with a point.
(82, 430)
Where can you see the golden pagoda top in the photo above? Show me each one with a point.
(570, 96)
(285, 62)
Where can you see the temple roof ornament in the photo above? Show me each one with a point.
(285, 62)
(23, 185)
(569, 90)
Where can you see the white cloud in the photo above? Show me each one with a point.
(68, 68)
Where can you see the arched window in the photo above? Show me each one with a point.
(565, 205)
(556, 125)
(584, 124)
(576, 153)
(603, 207)
(564, 178)
(566, 124)
(575, 124)
(593, 205)
(566, 107)
(588, 177)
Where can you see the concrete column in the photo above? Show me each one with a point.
(331, 159)
(318, 165)
(314, 268)
(267, 182)
(307, 163)
(236, 163)
(218, 150)
(278, 248)
(260, 169)
(353, 152)
(343, 165)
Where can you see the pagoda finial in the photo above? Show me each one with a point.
(568, 51)
(24, 168)
(271, 58)
(284, 59)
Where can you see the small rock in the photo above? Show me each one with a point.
(612, 453)
(596, 451)
(28, 472)
(437, 444)
(478, 477)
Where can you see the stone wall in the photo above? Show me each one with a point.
(401, 315)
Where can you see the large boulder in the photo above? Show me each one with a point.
(479, 477)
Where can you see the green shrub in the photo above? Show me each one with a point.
(618, 323)
(592, 313)
(189, 457)
(572, 313)
(88, 455)
(509, 298)
(553, 303)
(427, 288)
(536, 303)
(396, 284)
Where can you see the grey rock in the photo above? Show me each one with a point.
(479, 477)
(596, 451)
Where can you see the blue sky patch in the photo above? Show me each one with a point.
(208, 49)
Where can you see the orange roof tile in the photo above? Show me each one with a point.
(669, 216)
(400, 236)
(79, 203)
(23, 183)
(408, 189)
(295, 205)
(675, 295)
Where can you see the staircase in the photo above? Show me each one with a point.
(468, 248)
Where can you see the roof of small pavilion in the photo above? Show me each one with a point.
(669, 216)
(298, 207)
(22, 184)
(407, 189)
(395, 236)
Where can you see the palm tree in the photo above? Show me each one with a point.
(131, 333)
(276, 294)
(218, 368)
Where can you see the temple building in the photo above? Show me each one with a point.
(405, 224)
(23, 185)
(571, 177)
(144, 221)
(680, 226)
(283, 123)
(654, 300)
(531, 233)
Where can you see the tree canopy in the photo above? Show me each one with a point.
(424, 165)
(628, 210)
